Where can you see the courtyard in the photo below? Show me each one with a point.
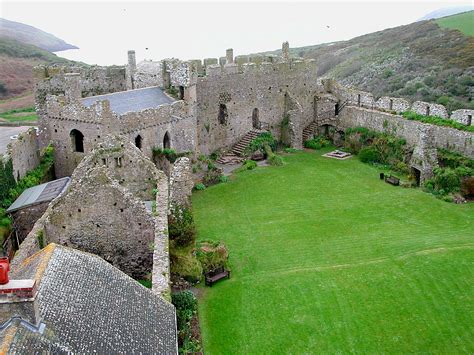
(327, 258)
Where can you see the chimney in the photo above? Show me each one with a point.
(131, 69)
(285, 50)
(4, 269)
(229, 54)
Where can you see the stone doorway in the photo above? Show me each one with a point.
(417, 174)
(166, 141)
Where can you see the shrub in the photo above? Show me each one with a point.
(259, 143)
(317, 143)
(181, 227)
(247, 165)
(186, 308)
(212, 255)
(446, 179)
(368, 155)
(275, 160)
(199, 187)
(212, 176)
(223, 179)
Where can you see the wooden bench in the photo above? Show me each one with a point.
(216, 275)
(392, 180)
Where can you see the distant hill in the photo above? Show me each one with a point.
(16, 71)
(31, 35)
(463, 22)
(447, 11)
(419, 61)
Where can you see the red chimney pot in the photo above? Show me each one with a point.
(4, 269)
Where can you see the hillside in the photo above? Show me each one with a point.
(32, 35)
(16, 72)
(419, 61)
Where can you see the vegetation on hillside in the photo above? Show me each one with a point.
(419, 61)
(463, 22)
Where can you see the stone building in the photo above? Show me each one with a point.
(81, 304)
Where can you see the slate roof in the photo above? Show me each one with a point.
(132, 100)
(40, 193)
(89, 306)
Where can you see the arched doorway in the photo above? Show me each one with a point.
(138, 142)
(166, 141)
(255, 119)
(77, 140)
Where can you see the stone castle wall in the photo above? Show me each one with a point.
(24, 153)
(235, 93)
(444, 137)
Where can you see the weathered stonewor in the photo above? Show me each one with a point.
(24, 153)
(424, 158)
(103, 212)
(181, 182)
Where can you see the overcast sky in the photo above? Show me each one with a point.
(105, 30)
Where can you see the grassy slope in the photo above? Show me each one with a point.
(419, 61)
(21, 115)
(463, 22)
(327, 258)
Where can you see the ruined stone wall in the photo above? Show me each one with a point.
(52, 80)
(463, 116)
(429, 109)
(97, 121)
(24, 152)
(392, 104)
(261, 87)
(445, 137)
(148, 73)
(181, 182)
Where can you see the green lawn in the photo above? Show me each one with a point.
(463, 22)
(20, 115)
(326, 258)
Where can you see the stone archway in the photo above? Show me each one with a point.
(77, 140)
(138, 141)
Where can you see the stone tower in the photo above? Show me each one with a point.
(425, 157)
(131, 69)
(285, 50)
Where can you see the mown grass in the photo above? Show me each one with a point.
(20, 115)
(326, 258)
(463, 22)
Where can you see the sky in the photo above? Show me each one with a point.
(104, 30)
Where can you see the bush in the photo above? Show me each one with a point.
(186, 308)
(199, 187)
(212, 255)
(368, 155)
(446, 179)
(275, 160)
(181, 227)
(247, 165)
(259, 143)
(467, 187)
(317, 143)
(223, 179)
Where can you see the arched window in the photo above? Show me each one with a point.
(77, 140)
(255, 120)
(222, 114)
(138, 142)
(166, 141)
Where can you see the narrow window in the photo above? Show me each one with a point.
(255, 120)
(166, 141)
(358, 100)
(138, 142)
(427, 110)
(469, 120)
(77, 140)
(336, 109)
(391, 105)
(222, 117)
(181, 92)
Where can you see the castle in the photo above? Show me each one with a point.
(105, 124)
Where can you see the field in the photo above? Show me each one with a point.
(463, 22)
(19, 115)
(327, 258)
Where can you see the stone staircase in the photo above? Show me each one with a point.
(309, 131)
(235, 156)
